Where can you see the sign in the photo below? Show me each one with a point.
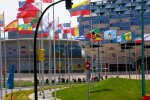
(87, 65)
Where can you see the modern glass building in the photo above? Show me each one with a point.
(120, 15)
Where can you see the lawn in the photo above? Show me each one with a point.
(110, 89)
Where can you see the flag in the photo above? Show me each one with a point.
(47, 1)
(81, 30)
(81, 38)
(129, 36)
(25, 29)
(10, 81)
(30, 1)
(44, 32)
(122, 38)
(56, 35)
(98, 35)
(30, 7)
(66, 28)
(44, 1)
(138, 39)
(34, 22)
(21, 3)
(85, 2)
(27, 20)
(81, 10)
(110, 34)
(75, 31)
(13, 26)
(1, 20)
(25, 14)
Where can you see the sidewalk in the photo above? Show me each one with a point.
(47, 93)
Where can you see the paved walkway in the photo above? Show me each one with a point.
(47, 95)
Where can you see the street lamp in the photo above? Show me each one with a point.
(68, 6)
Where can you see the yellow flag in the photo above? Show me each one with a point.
(128, 36)
(81, 3)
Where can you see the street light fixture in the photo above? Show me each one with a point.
(68, 6)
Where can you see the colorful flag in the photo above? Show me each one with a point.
(47, 1)
(66, 28)
(30, 7)
(129, 36)
(44, 32)
(30, 1)
(25, 14)
(1, 20)
(75, 31)
(122, 38)
(81, 38)
(85, 2)
(34, 22)
(96, 35)
(81, 10)
(10, 81)
(21, 3)
(44, 1)
(27, 20)
(13, 26)
(110, 34)
(81, 30)
(25, 29)
(138, 39)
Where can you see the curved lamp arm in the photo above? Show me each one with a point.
(35, 55)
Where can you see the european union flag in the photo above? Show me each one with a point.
(10, 81)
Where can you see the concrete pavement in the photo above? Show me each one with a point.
(47, 95)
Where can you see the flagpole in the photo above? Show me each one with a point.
(29, 59)
(146, 61)
(19, 60)
(91, 42)
(71, 66)
(5, 67)
(126, 61)
(54, 55)
(117, 58)
(1, 94)
(135, 60)
(59, 64)
(50, 52)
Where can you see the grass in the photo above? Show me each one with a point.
(110, 89)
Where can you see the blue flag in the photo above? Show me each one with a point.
(10, 81)
(110, 34)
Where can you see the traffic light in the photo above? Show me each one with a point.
(41, 55)
(68, 4)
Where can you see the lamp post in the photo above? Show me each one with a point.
(142, 31)
(35, 54)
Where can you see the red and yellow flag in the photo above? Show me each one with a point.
(13, 26)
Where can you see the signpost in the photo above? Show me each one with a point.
(87, 66)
